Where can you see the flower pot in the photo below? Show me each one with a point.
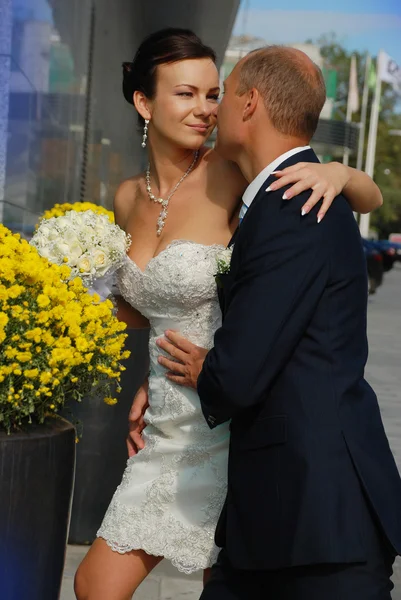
(36, 480)
(102, 451)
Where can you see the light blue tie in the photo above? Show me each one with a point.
(242, 212)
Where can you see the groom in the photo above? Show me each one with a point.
(313, 508)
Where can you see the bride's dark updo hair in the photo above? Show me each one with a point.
(163, 47)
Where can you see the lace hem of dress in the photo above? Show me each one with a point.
(189, 549)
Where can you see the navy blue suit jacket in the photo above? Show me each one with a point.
(307, 440)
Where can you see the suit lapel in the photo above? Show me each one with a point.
(226, 280)
(236, 232)
(304, 156)
(234, 237)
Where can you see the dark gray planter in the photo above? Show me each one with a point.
(102, 452)
(36, 479)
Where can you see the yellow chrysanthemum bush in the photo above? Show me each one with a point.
(56, 340)
(59, 210)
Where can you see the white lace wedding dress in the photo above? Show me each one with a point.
(173, 490)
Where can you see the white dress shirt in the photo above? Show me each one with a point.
(256, 184)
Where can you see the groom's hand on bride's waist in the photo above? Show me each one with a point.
(136, 422)
(185, 359)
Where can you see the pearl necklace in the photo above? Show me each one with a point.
(163, 215)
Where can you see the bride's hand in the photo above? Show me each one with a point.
(326, 181)
(186, 360)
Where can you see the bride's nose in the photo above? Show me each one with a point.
(203, 108)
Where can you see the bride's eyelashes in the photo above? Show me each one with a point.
(214, 97)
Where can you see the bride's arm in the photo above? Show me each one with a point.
(122, 205)
(135, 320)
(327, 181)
(361, 191)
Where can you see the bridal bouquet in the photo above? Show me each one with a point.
(56, 340)
(87, 242)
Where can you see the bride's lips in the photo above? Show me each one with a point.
(200, 128)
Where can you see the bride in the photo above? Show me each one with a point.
(181, 213)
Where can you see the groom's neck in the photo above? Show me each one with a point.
(264, 149)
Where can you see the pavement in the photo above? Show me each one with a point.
(383, 373)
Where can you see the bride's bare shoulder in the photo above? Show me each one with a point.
(225, 170)
(125, 197)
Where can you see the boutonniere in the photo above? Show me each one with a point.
(223, 260)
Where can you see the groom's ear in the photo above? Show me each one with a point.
(252, 98)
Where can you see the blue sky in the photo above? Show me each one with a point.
(359, 24)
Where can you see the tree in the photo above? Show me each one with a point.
(388, 149)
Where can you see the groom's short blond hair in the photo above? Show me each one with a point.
(291, 85)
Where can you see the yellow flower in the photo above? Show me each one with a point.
(3, 319)
(25, 345)
(55, 333)
(15, 290)
(10, 352)
(110, 401)
(23, 357)
(43, 301)
(81, 344)
(45, 377)
(31, 373)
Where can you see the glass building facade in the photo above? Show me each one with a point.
(66, 132)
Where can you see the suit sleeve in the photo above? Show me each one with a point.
(282, 274)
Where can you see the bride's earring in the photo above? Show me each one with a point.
(145, 133)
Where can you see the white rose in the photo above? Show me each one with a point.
(38, 240)
(45, 252)
(101, 262)
(41, 242)
(77, 217)
(100, 229)
(70, 237)
(61, 248)
(121, 243)
(85, 234)
(53, 234)
(43, 230)
(84, 265)
(75, 251)
(63, 222)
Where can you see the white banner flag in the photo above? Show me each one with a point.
(390, 71)
(353, 92)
